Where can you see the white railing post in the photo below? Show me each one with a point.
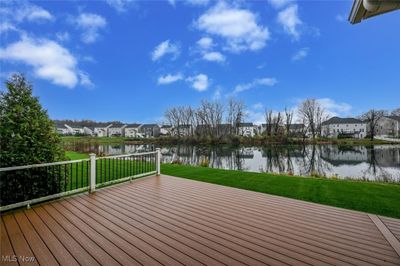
(92, 181)
(158, 159)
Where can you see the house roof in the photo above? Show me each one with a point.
(363, 9)
(296, 126)
(166, 126)
(394, 117)
(149, 125)
(134, 125)
(246, 124)
(339, 120)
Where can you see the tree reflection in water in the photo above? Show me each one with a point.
(380, 162)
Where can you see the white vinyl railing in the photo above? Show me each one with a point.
(31, 184)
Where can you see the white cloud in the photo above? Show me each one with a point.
(333, 108)
(6, 27)
(13, 13)
(300, 54)
(85, 80)
(164, 48)
(205, 43)
(279, 3)
(238, 27)
(255, 116)
(258, 106)
(214, 57)
(48, 59)
(63, 36)
(167, 79)
(267, 82)
(90, 24)
(290, 21)
(199, 82)
(32, 13)
(120, 5)
(197, 2)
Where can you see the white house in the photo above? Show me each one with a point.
(349, 127)
(149, 130)
(62, 129)
(116, 130)
(184, 130)
(166, 130)
(388, 126)
(246, 130)
(132, 131)
(101, 129)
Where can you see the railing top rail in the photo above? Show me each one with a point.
(126, 155)
(4, 169)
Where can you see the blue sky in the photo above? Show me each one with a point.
(130, 60)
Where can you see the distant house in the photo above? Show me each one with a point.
(263, 128)
(388, 126)
(350, 127)
(149, 130)
(182, 130)
(246, 129)
(132, 131)
(62, 129)
(101, 129)
(116, 130)
(296, 129)
(166, 130)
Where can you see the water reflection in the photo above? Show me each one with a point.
(379, 162)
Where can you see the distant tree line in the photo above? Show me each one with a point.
(211, 119)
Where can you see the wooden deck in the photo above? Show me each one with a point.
(171, 221)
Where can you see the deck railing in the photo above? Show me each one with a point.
(30, 184)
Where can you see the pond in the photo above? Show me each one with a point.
(379, 162)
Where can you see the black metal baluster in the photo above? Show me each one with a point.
(71, 178)
(82, 174)
(87, 173)
(65, 177)
(77, 174)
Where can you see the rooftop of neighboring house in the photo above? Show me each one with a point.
(185, 126)
(166, 126)
(246, 124)
(296, 126)
(134, 125)
(394, 117)
(339, 120)
(117, 125)
(149, 125)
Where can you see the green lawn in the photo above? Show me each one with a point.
(77, 174)
(377, 198)
(73, 155)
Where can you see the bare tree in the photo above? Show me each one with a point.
(235, 115)
(210, 115)
(313, 114)
(276, 123)
(372, 118)
(268, 121)
(288, 120)
(173, 116)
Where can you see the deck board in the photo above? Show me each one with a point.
(170, 221)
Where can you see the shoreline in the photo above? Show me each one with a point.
(235, 141)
